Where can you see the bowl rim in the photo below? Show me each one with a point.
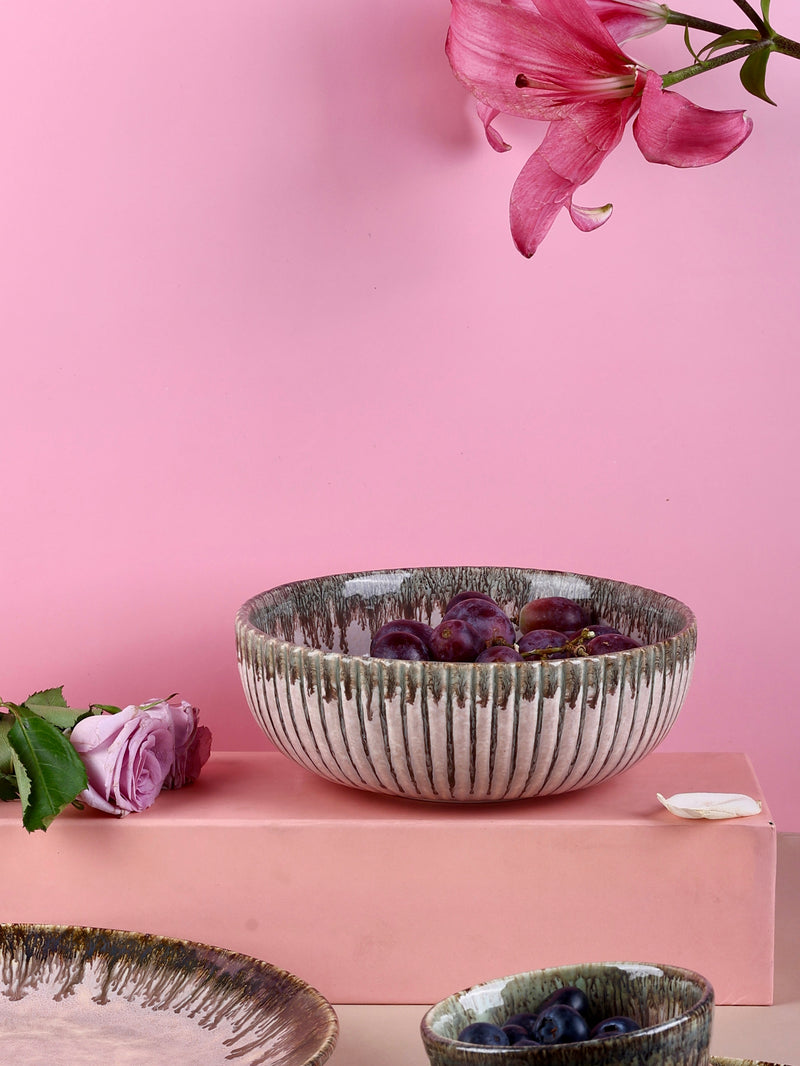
(704, 1004)
(244, 619)
(251, 971)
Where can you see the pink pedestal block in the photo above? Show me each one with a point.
(378, 900)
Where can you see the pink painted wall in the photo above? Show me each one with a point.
(262, 320)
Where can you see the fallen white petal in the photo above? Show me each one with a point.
(711, 805)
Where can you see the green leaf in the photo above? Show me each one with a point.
(9, 789)
(688, 42)
(49, 771)
(731, 38)
(51, 705)
(60, 717)
(753, 74)
(48, 697)
(99, 708)
(6, 753)
(765, 13)
(23, 784)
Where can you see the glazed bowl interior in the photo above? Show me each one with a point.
(151, 999)
(673, 1006)
(459, 732)
(340, 613)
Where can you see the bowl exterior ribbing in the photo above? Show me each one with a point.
(458, 732)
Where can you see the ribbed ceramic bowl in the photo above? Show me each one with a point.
(674, 1007)
(464, 732)
(101, 997)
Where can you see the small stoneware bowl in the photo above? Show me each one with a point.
(463, 732)
(673, 1006)
(70, 994)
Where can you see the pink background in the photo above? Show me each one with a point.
(262, 320)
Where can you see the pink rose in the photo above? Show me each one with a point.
(192, 742)
(127, 756)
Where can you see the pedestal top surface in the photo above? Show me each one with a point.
(254, 787)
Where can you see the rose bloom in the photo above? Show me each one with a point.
(192, 742)
(132, 754)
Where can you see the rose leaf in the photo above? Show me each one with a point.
(6, 751)
(51, 705)
(60, 717)
(50, 697)
(9, 788)
(23, 783)
(49, 771)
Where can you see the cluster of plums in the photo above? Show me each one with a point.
(560, 1019)
(475, 628)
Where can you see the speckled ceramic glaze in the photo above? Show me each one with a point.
(462, 732)
(674, 1006)
(70, 994)
(740, 1062)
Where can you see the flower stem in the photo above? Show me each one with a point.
(786, 46)
(677, 18)
(754, 17)
(675, 76)
(778, 43)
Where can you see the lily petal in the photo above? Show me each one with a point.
(671, 129)
(625, 19)
(535, 62)
(572, 151)
(487, 115)
(589, 218)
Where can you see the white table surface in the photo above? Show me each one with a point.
(389, 1035)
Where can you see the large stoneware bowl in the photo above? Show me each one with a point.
(459, 732)
(672, 1006)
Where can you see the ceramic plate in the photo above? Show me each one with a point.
(101, 997)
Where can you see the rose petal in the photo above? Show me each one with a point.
(99, 729)
(197, 755)
(144, 755)
(712, 805)
(671, 129)
(93, 738)
(192, 747)
(94, 799)
(179, 717)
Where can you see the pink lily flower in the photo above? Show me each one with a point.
(556, 61)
